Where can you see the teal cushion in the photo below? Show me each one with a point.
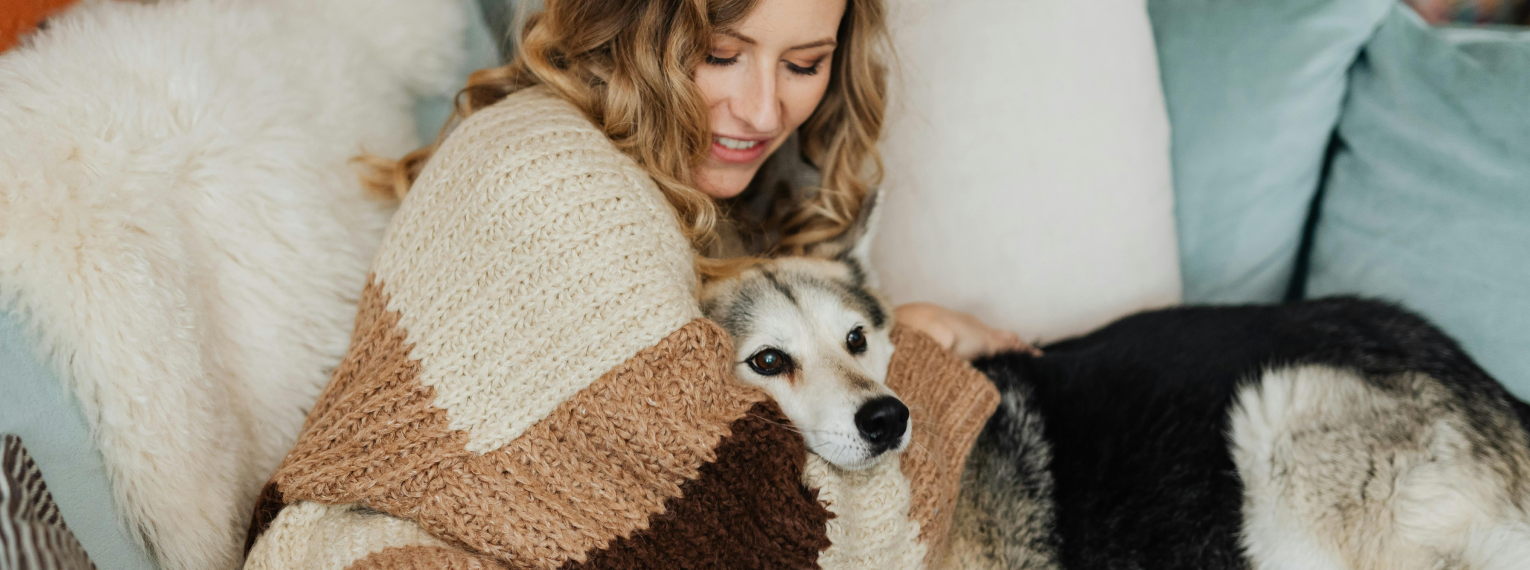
(1428, 202)
(482, 51)
(1253, 89)
(53, 429)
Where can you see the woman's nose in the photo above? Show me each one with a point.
(758, 105)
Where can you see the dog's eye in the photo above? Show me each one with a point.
(856, 341)
(770, 362)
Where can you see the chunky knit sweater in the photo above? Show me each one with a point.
(530, 384)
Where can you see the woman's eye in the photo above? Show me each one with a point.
(770, 362)
(714, 60)
(856, 341)
(799, 70)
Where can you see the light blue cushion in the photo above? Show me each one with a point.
(1428, 201)
(482, 51)
(36, 407)
(1253, 90)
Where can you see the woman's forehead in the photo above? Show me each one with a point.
(786, 24)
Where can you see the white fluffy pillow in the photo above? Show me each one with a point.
(1027, 159)
(180, 227)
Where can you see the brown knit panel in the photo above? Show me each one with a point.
(746, 510)
(591, 472)
(949, 402)
(425, 558)
(267, 506)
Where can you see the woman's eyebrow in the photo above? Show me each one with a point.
(750, 41)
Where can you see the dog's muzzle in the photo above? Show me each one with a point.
(882, 423)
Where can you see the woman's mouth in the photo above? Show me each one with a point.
(738, 150)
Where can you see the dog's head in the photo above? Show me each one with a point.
(813, 334)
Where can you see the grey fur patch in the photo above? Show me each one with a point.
(1005, 516)
(863, 300)
(783, 289)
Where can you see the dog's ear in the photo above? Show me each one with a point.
(854, 245)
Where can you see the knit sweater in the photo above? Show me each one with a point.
(530, 384)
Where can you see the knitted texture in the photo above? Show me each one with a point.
(529, 259)
(425, 558)
(949, 403)
(732, 515)
(529, 386)
(590, 472)
(871, 527)
(331, 537)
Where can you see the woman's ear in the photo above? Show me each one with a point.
(853, 246)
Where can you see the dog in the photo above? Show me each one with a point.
(1339, 433)
(1330, 434)
(814, 334)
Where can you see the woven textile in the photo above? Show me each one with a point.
(32, 532)
(530, 385)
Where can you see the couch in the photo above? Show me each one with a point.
(1053, 165)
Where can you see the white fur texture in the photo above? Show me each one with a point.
(1341, 474)
(181, 231)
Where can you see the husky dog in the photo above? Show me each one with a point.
(815, 336)
(1338, 433)
(1332, 434)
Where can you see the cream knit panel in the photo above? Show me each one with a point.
(871, 527)
(530, 258)
(314, 536)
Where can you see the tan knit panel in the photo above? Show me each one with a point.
(312, 536)
(871, 527)
(949, 403)
(897, 514)
(425, 558)
(529, 258)
(593, 470)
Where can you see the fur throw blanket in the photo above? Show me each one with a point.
(180, 229)
(530, 384)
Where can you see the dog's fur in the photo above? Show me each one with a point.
(182, 234)
(1333, 434)
(1330, 434)
(804, 307)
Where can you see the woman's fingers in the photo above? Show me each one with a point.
(964, 335)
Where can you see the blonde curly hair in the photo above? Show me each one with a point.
(629, 66)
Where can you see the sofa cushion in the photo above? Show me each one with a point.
(38, 410)
(1428, 202)
(1027, 164)
(1254, 89)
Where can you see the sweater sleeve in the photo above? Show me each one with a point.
(530, 380)
(531, 258)
(530, 385)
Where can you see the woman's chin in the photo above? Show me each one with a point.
(723, 183)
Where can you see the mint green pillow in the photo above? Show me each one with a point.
(482, 50)
(1253, 89)
(36, 407)
(1428, 202)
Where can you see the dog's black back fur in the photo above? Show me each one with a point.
(1136, 414)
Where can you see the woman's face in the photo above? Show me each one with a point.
(762, 79)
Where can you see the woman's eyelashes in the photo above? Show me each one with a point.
(812, 69)
(800, 70)
(721, 61)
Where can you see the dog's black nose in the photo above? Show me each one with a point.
(882, 422)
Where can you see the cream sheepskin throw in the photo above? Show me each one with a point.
(180, 229)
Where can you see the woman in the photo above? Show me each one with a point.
(705, 117)
(530, 382)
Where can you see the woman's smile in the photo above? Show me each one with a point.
(739, 150)
(762, 77)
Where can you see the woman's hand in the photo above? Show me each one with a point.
(961, 333)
